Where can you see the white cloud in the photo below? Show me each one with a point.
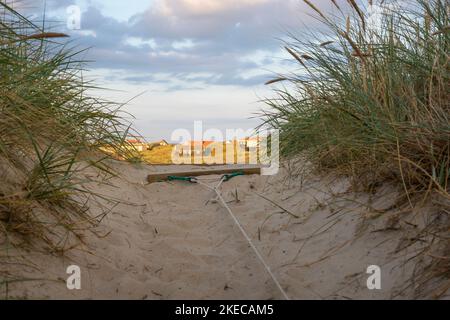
(184, 44)
(203, 7)
(140, 42)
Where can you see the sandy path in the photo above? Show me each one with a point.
(164, 242)
(195, 249)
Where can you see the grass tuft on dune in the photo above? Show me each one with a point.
(370, 99)
(375, 102)
(51, 133)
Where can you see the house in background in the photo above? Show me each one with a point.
(138, 144)
(250, 143)
(253, 143)
(211, 149)
(196, 148)
(153, 145)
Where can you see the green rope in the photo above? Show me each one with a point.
(228, 177)
(225, 177)
(188, 179)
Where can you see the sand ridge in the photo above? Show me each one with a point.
(167, 241)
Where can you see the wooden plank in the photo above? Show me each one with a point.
(164, 176)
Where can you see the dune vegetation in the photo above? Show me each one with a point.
(51, 132)
(158, 155)
(370, 100)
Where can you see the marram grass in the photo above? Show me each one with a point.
(371, 100)
(51, 132)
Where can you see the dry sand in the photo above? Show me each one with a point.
(165, 241)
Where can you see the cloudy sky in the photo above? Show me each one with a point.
(186, 60)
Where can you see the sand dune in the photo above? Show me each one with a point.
(166, 241)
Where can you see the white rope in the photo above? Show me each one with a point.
(249, 240)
